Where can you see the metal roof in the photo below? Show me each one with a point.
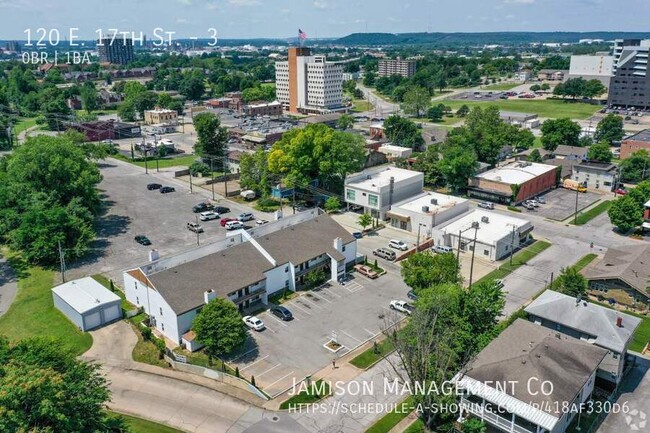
(84, 294)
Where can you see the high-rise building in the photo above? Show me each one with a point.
(309, 84)
(116, 50)
(388, 67)
(630, 85)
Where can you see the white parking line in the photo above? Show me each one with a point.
(331, 292)
(370, 332)
(270, 329)
(301, 309)
(283, 377)
(354, 338)
(243, 354)
(311, 302)
(272, 368)
(253, 363)
(277, 320)
(320, 297)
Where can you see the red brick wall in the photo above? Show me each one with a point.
(628, 147)
(537, 185)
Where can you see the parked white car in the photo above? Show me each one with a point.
(401, 306)
(398, 245)
(209, 215)
(253, 322)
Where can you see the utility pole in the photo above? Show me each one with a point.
(551, 285)
(212, 172)
(146, 169)
(294, 198)
(575, 215)
(62, 262)
(225, 174)
(471, 266)
(417, 245)
(190, 181)
(512, 244)
(197, 230)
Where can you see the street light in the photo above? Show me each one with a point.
(417, 248)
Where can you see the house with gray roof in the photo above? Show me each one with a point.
(610, 329)
(522, 381)
(622, 275)
(245, 268)
(575, 153)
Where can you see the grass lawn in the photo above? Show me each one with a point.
(126, 305)
(368, 357)
(280, 297)
(139, 425)
(181, 161)
(24, 124)
(518, 259)
(552, 108)
(146, 351)
(500, 86)
(32, 314)
(317, 391)
(446, 121)
(361, 105)
(585, 217)
(641, 336)
(392, 418)
(537, 144)
(416, 427)
(584, 261)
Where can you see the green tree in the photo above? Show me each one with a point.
(332, 204)
(369, 78)
(164, 100)
(47, 389)
(545, 87)
(636, 167)
(593, 88)
(219, 327)
(317, 152)
(254, 172)
(403, 132)
(640, 193)
(212, 138)
(144, 101)
(600, 152)
(462, 111)
(609, 129)
(625, 213)
(559, 131)
(571, 282)
(192, 85)
(535, 88)
(436, 112)
(535, 156)
(89, 98)
(474, 425)
(416, 100)
(364, 220)
(346, 121)
(457, 166)
(427, 163)
(424, 270)
(126, 111)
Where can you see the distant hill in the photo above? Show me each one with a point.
(506, 38)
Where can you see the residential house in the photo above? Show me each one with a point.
(523, 75)
(610, 329)
(622, 275)
(574, 153)
(378, 188)
(596, 175)
(552, 75)
(529, 379)
(245, 268)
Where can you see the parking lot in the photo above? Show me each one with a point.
(561, 204)
(352, 313)
(478, 96)
(133, 210)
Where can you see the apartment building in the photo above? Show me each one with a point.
(388, 67)
(630, 85)
(118, 51)
(309, 84)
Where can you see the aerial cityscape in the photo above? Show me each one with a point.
(246, 216)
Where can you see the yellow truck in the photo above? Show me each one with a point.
(574, 185)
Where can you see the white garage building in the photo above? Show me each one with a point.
(87, 303)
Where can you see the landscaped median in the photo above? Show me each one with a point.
(519, 259)
(585, 217)
(309, 393)
(392, 418)
(373, 355)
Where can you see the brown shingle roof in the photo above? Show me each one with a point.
(630, 264)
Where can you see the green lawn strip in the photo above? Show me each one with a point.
(126, 305)
(584, 261)
(585, 217)
(283, 296)
(146, 351)
(416, 427)
(501, 86)
(361, 105)
(518, 259)
(552, 108)
(139, 425)
(181, 161)
(24, 124)
(317, 391)
(32, 313)
(370, 357)
(392, 418)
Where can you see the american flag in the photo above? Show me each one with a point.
(302, 35)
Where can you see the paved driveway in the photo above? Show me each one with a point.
(8, 285)
(561, 204)
(288, 351)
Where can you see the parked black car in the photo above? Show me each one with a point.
(153, 186)
(282, 313)
(202, 207)
(142, 240)
(221, 209)
(166, 189)
(411, 295)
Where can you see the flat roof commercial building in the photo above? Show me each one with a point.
(378, 188)
(388, 67)
(599, 68)
(513, 182)
(425, 211)
(160, 116)
(87, 303)
(497, 236)
(245, 268)
(498, 388)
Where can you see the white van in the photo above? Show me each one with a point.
(234, 225)
(442, 249)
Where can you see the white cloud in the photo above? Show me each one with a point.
(510, 17)
(182, 20)
(320, 4)
(522, 2)
(185, 2)
(244, 2)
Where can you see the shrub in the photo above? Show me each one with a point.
(146, 333)
(199, 167)
(514, 209)
(267, 204)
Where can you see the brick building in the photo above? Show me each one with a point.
(634, 143)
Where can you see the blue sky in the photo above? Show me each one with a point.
(320, 18)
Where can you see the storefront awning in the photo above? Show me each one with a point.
(398, 216)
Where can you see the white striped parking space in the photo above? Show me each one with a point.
(320, 297)
(253, 363)
(269, 370)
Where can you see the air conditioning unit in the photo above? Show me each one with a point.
(434, 201)
(485, 219)
(425, 209)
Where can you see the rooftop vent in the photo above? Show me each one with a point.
(425, 209)
(485, 219)
(434, 201)
(619, 322)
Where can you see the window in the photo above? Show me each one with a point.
(136, 285)
(161, 311)
(137, 300)
(162, 325)
(286, 269)
(343, 248)
(614, 355)
(350, 194)
(486, 252)
(373, 200)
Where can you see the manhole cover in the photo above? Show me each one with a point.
(275, 419)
